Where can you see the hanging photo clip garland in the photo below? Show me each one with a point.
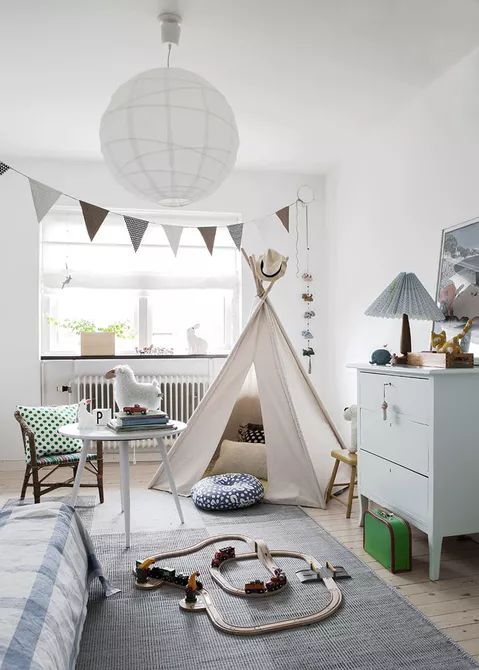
(305, 198)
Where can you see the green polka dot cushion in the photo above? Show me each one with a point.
(44, 423)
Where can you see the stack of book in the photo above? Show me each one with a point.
(152, 420)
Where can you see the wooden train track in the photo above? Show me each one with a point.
(260, 551)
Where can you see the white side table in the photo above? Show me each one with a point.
(104, 434)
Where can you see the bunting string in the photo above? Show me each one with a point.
(44, 197)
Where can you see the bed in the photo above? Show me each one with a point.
(47, 564)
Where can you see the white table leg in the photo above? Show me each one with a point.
(169, 474)
(125, 488)
(81, 466)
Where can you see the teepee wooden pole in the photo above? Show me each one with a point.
(252, 264)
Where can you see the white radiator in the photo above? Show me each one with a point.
(181, 395)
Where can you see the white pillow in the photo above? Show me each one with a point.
(244, 457)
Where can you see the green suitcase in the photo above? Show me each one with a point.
(387, 538)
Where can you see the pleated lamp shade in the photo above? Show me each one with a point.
(405, 298)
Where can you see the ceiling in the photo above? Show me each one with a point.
(305, 78)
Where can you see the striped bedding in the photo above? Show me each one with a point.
(47, 562)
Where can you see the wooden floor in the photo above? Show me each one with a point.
(452, 603)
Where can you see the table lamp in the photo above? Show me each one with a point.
(405, 298)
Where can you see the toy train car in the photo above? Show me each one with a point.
(222, 555)
(276, 582)
(256, 586)
(166, 575)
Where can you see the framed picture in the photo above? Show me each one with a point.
(458, 283)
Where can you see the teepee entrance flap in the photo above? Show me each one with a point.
(194, 448)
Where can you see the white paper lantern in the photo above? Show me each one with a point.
(169, 136)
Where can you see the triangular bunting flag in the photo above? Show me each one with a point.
(236, 232)
(173, 233)
(283, 216)
(136, 229)
(44, 198)
(208, 233)
(94, 217)
(3, 168)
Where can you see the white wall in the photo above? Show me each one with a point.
(253, 194)
(19, 300)
(386, 207)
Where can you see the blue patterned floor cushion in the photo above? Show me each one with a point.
(229, 491)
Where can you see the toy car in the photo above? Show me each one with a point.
(256, 586)
(135, 409)
(222, 555)
(276, 582)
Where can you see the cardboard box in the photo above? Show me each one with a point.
(97, 344)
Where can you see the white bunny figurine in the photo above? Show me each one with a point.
(85, 418)
(196, 345)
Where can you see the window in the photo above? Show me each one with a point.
(151, 296)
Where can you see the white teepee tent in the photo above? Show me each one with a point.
(298, 431)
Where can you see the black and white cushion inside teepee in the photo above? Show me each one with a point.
(251, 432)
(226, 492)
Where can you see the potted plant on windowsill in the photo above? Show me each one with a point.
(96, 340)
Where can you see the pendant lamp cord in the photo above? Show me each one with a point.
(297, 238)
(168, 57)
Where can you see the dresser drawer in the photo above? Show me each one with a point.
(390, 484)
(405, 395)
(399, 439)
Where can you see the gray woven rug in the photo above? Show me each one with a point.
(375, 629)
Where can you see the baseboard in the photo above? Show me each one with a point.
(140, 457)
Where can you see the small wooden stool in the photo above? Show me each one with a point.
(343, 456)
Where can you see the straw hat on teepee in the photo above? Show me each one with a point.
(271, 266)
